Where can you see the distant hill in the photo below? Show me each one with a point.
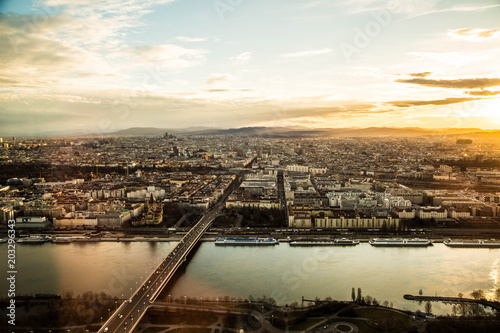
(154, 131)
(304, 132)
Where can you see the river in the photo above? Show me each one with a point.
(282, 272)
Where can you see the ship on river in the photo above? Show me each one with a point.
(407, 242)
(473, 243)
(335, 242)
(34, 239)
(246, 241)
(62, 240)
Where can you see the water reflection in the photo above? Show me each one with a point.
(282, 272)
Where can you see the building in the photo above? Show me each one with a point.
(113, 220)
(308, 217)
(432, 213)
(297, 168)
(299, 217)
(153, 213)
(32, 222)
(76, 222)
(6, 213)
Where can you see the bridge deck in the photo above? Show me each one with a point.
(128, 315)
(456, 300)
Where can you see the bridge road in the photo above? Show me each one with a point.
(129, 313)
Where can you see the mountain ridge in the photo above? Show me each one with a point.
(263, 131)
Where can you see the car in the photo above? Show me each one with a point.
(120, 316)
(105, 330)
(130, 301)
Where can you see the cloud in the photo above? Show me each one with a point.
(306, 53)
(446, 101)
(33, 56)
(474, 35)
(75, 44)
(459, 8)
(219, 78)
(169, 55)
(423, 74)
(408, 8)
(448, 58)
(457, 84)
(242, 58)
(482, 92)
(227, 90)
(190, 39)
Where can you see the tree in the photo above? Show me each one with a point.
(460, 295)
(428, 307)
(375, 302)
(462, 309)
(454, 310)
(386, 303)
(353, 294)
(478, 294)
(368, 300)
(420, 292)
(497, 294)
(359, 296)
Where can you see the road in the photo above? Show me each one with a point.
(128, 315)
(282, 198)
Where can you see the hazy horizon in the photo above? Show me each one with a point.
(85, 67)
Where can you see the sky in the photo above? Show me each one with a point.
(96, 66)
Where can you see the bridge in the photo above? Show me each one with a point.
(453, 300)
(129, 313)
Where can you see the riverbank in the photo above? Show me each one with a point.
(282, 237)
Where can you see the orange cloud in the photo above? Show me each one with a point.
(457, 84)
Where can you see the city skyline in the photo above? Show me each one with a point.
(83, 67)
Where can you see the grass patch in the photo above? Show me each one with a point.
(157, 317)
(361, 324)
(398, 320)
(305, 324)
(246, 323)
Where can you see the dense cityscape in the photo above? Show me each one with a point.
(232, 166)
(301, 191)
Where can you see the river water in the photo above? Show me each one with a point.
(282, 272)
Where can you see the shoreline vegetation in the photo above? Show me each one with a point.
(89, 311)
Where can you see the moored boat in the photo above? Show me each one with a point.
(62, 240)
(407, 242)
(246, 241)
(34, 239)
(335, 242)
(473, 243)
